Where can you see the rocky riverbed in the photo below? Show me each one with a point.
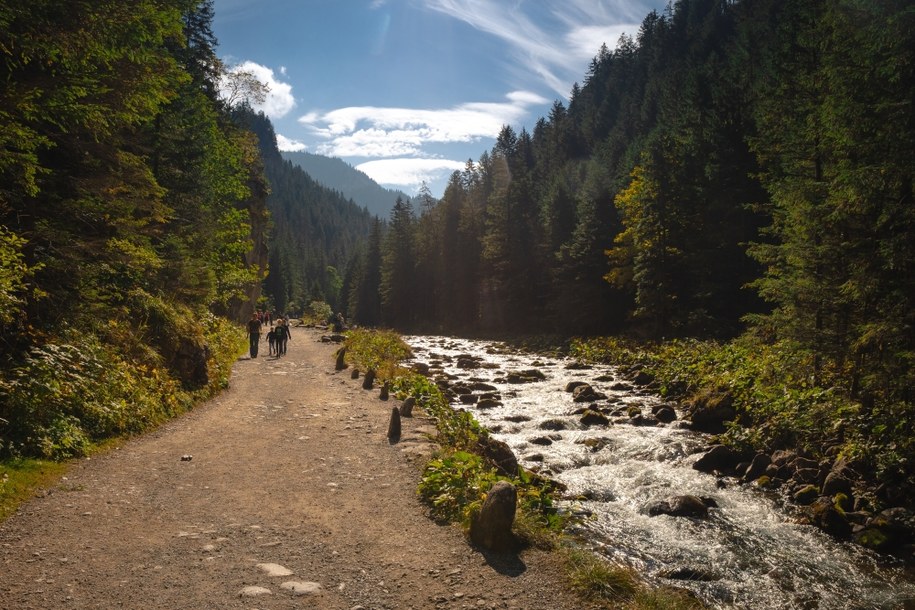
(655, 496)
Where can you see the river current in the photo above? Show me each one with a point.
(749, 553)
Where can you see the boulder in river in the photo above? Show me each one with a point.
(824, 514)
(805, 495)
(718, 458)
(594, 418)
(642, 378)
(757, 467)
(480, 386)
(541, 440)
(680, 506)
(586, 393)
(570, 387)
(466, 361)
(837, 484)
(889, 530)
(500, 455)
(488, 403)
(553, 424)
(665, 414)
(595, 444)
(528, 376)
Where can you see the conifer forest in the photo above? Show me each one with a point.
(737, 174)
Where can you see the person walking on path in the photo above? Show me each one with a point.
(254, 334)
(282, 335)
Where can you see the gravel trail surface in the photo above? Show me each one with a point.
(281, 492)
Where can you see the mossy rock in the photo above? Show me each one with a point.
(842, 502)
(806, 495)
(873, 538)
(763, 482)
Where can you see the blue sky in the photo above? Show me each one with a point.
(409, 90)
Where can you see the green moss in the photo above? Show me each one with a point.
(842, 503)
(873, 538)
(763, 482)
(807, 494)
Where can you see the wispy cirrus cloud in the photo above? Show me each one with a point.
(557, 55)
(369, 131)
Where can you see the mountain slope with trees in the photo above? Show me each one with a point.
(338, 175)
(739, 168)
(314, 230)
(132, 220)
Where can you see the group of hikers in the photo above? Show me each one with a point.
(277, 336)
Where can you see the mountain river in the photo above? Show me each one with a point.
(748, 553)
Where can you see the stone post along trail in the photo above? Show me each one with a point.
(282, 492)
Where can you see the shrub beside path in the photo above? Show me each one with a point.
(281, 492)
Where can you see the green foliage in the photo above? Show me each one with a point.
(779, 404)
(454, 485)
(63, 398)
(319, 311)
(457, 429)
(377, 350)
(14, 276)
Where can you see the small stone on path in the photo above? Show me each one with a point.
(254, 592)
(301, 588)
(274, 569)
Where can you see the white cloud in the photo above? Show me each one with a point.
(279, 101)
(409, 172)
(287, 145)
(558, 56)
(368, 131)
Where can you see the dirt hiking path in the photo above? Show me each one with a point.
(292, 498)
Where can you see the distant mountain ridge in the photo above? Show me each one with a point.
(335, 173)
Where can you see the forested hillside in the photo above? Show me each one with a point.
(314, 230)
(738, 168)
(132, 219)
(734, 159)
(336, 174)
